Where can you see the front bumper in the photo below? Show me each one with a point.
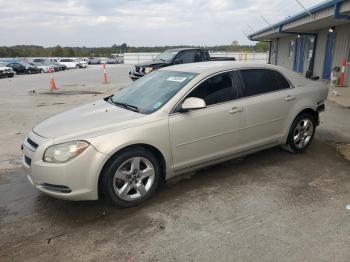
(75, 180)
(7, 74)
(136, 73)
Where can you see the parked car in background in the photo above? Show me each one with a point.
(81, 63)
(174, 120)
(43, 67)
(112, 61)
(94, 61)
(6, 71)
(48, 63)
(173, 57)
(23, 68)
(69, 63)
(56, 65)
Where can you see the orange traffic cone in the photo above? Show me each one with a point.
(53, 85)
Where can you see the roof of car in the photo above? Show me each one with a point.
(184, 48)
(215, 66)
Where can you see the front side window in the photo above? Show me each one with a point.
(152, 91)
(260, 81)
(215, 90)
(187, 56)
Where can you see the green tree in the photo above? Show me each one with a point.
(69, 52)
(262, 46)
(57, 51)
(124, 47)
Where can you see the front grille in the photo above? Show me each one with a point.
(57, 188)
(32, 143)
(27, 160)
(137, 69)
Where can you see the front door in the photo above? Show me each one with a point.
(328, 57)
(209, 133)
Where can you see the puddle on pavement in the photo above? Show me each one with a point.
(344, 151)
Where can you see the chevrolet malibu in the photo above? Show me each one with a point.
(174, 120)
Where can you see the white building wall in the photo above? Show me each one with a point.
(342, 48)
(320, 52)
(283, 54)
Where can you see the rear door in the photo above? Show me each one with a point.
(268, 99)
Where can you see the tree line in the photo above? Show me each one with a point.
(59, 51)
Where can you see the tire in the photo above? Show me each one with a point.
(131, 178)
(42, 71)
(301, 133)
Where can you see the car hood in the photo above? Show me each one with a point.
(153, 63)
(87, 121)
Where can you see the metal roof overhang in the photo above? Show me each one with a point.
(322, 16)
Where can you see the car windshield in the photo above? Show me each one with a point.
(152, 91)
(166, 56)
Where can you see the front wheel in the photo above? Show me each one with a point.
(131, 178)
(301, 133)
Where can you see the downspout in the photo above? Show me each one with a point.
(269, 61)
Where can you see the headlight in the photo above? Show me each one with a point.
(148, 70)
(62, 153)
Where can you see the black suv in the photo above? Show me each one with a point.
(173, 57)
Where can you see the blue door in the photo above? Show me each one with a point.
(298, 65)
(328, 57)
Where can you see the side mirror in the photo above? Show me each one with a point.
(177, 61)
(192, 103)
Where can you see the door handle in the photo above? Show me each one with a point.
(235, 110)
(289, 98)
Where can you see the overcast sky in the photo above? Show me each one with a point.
(137, 22)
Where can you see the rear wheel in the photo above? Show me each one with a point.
(301, 133)
(131, 178)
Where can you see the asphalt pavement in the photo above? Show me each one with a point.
(269, 206)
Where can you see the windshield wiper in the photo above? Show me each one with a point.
(125, 105)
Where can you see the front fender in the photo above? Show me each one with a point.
(155, 134)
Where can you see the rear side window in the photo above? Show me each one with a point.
(260, 81)
(187, 56)
(217, 89)
(205, 56)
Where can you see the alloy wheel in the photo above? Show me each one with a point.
(134, 178)
(303, 133)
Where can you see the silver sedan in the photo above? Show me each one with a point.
(169, 122)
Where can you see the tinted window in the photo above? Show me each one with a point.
(187, 56)
(205, 56)
(216, 90)
(280, 81)
(259, 81)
